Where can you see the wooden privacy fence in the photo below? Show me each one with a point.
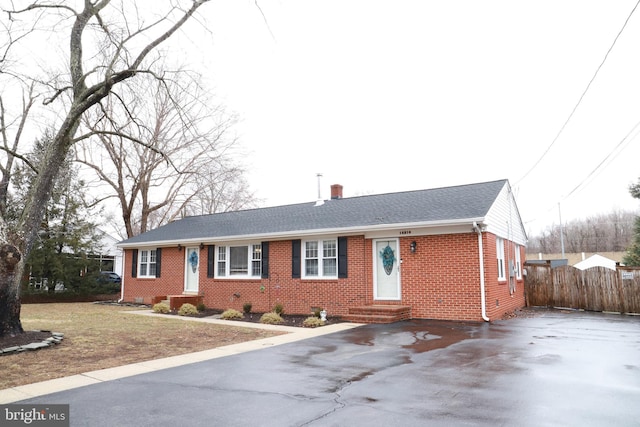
(594, 289)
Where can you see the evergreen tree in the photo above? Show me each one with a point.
(61, 254)
(632, 257)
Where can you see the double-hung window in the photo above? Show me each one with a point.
(239, 261)
(256, 260)
(500, 256)
(518, 263)
(147, 263)
(320, 258)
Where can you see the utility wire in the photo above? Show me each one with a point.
(264, 18)
(626, 139)
(581, 96)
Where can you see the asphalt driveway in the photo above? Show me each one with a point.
(557, 369)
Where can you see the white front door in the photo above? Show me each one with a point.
(192, 266)
(386, 270)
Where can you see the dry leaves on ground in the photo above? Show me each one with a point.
(102, 336)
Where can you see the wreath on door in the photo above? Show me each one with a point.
(193, 260)
(388, 258)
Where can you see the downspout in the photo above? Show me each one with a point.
(124, 257)
(121, 290)
(483, 304)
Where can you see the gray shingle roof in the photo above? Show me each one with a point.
(433, 205)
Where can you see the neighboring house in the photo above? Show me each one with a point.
(447, 253)
(596, 261)
(107, 253)
(110, 255)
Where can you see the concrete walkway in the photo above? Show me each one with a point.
(293, 334)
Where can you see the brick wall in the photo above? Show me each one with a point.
(171, 282)
(499, 300)
(297, 295)
(441, 280)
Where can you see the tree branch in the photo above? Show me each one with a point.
(132, 139)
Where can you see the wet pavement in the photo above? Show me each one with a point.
(560, 368)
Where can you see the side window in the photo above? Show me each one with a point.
(147, 263)
(320, 258)
(256, 260)
(239, 261)
(518, 263)
(222, 261)
(500, 256)
(238, 258)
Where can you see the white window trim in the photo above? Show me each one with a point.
(502, 271)
(227, 261)
(148, 263)
(303, 259)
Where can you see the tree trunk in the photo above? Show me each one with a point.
(10, 267)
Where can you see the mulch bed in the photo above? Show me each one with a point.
(289, 319)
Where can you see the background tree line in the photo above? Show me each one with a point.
(618, 231)
(612, 232)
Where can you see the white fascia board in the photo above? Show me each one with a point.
(369, 230)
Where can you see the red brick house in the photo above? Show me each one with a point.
(447, 253)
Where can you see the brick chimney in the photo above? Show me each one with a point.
(336, 191)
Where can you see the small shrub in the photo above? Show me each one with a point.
(187, 309)
(271, 318)
(246, 307)
(161, 307)
(312, 322)
(201, 307)
(279, 309)
(316, 312)
(231, 314)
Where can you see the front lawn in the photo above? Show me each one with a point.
(100, 336)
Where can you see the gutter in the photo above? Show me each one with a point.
(284, 235)
(483, 303)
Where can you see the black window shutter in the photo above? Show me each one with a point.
(265, 260)
(158, 261)
(211, 265)
(342, 257)
(295, 258)
(134, 263)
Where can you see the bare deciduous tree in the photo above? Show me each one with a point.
(181, 163)
(128, 44)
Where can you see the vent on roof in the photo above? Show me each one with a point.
(319, 201)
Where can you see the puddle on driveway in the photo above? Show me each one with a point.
(415, 335)
(432, 335)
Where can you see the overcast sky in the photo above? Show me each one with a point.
(386, 96)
